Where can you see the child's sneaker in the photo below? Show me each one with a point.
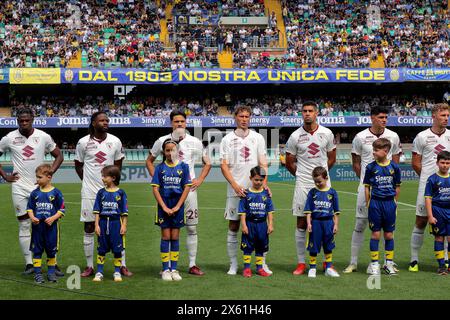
(266, 269)
(331, 272)
(442, 271)
(51, 277)
(373, 268)
(312, 273)
(176, 275)
(247, 273)
(166, 275)
(98, 277)
(39, 278)
(261, 272)
(389, 269)
(117, 277)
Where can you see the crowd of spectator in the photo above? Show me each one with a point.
(335, 33)
(262, 105)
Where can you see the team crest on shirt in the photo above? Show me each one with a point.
(118, 198)
(36, 140)
(109, 145)
(330, 197)
(321, 136)
(180, 172)
(391, 171)
(264, 198)
(51, 198)
(448, 139)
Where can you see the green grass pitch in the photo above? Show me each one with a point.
(143, 255)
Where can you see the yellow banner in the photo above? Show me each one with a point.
(35, 75)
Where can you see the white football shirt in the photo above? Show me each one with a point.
(26, 155)
(362, 146)
(242, 154)
(428, 145)
(311, 151)
(190, 150)
(95, 155)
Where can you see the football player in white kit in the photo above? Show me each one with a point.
(240, 151)
(426, 146)
(310, 146)
(190, 150)
(28, 147)
(362, 155)
(93, 152)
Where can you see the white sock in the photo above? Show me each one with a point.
(25, 239)
(416, 243)
(191, 244)
(88, 242)
(232, 247)
(124, 263)
(357, 239)
(264, 258)
(300, 240)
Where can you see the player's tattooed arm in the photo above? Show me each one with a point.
(8, 177)
(291, 163)
(59, 158)
(79, 168)
(331, 158)
(356, 164)
(416, 163)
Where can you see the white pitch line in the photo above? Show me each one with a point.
(352, 193)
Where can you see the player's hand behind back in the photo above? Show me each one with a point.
(12, 177)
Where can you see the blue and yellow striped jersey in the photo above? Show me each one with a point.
(322, 203)
(111, 203)
(382, 179)
(256, 205)
(171, 179)
(438, 189)
(44, 204)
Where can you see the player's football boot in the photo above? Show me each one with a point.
(247, 273)
(261, 272)
(117, 277)
(176, 275)
(98, 277)
(312, 273)
(443, 271)
(331, 272)
(373, 268)
(125, 272)
(350, 268)
(196, 271)
(29, 269)
(233, 270)
(300, 269)
(58, 271)
(389, 269)
(413, 266)
(51, 277)
(266, 268)
(89, 271)
(39, 278)
(166, 275)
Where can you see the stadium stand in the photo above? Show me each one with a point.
(262, 105)
(161, 35)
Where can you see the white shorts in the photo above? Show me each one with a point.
(299, 200)
(420, 204)
(231, 209)
(87, 206)
(191, 209)
(20, 203)
(361, 207)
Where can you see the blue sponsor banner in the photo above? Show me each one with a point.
(427, 74)
(343, 172)
(218, 122)
(238, 76)
(4, 75)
